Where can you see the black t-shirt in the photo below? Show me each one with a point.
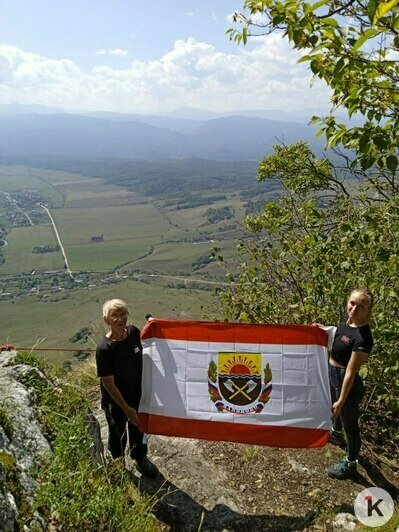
(348, 339)
(124, 360)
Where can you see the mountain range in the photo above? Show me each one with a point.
(47, 132)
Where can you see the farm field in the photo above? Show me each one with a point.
(76, 226)
(51, 323)
(194, 224)
(131, 227)
(128, 233)
(195, 217)
(22, 179)
(94, 192)
(89, 198)
(19, 255)
(178, 257)
(103, 256)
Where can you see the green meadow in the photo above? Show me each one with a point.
(103, 256)
(19, 251)
(28, 322)
(128, 233)
(89, 198)
(178, 257)
(76, 226)
(195, 218)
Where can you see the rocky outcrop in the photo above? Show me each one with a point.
(22, 443)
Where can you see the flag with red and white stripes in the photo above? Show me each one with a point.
(257, 384)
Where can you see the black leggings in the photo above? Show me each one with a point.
(349, 415)
(118, 430)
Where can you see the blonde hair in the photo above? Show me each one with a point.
(113, 304)
(364, 291)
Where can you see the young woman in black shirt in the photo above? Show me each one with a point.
(352, 344)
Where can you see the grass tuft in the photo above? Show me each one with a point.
(84, 375)
(5, 422)
(30, 359)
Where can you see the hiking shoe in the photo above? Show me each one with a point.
(336, 438)
(344, 469)
(146, 467)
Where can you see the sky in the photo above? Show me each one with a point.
(145, 57)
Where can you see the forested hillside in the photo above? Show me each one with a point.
(232, 138)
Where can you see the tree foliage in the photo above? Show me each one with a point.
(353, 46)
(335, 227)
(307, 250)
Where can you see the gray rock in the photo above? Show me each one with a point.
(96, 448)
(8, 510)
(7, 358)
(22, 443)
(21, 439)
(344, 521)
(297, 467)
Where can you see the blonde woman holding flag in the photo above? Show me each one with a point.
(351, 346)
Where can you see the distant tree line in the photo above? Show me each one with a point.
(218, 214)
(201, 262)
(162, 178)
(82, 335)
(255, 206)
(45, 249)
(97, 238)
(189, 201)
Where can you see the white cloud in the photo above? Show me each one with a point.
(115, 51)
(258, 18)
(393, 55)
(195, 74)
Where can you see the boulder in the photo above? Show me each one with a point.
(22, 443)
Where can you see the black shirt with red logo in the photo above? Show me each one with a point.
(348, 339)
(123, 360)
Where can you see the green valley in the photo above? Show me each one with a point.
(140, 231)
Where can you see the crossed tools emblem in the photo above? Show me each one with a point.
(244, 390)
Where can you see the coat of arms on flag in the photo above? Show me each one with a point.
(235, 383)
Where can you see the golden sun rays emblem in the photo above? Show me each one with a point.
(235, 383)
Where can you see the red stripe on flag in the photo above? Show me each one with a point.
(203, 331)
(272, 436)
